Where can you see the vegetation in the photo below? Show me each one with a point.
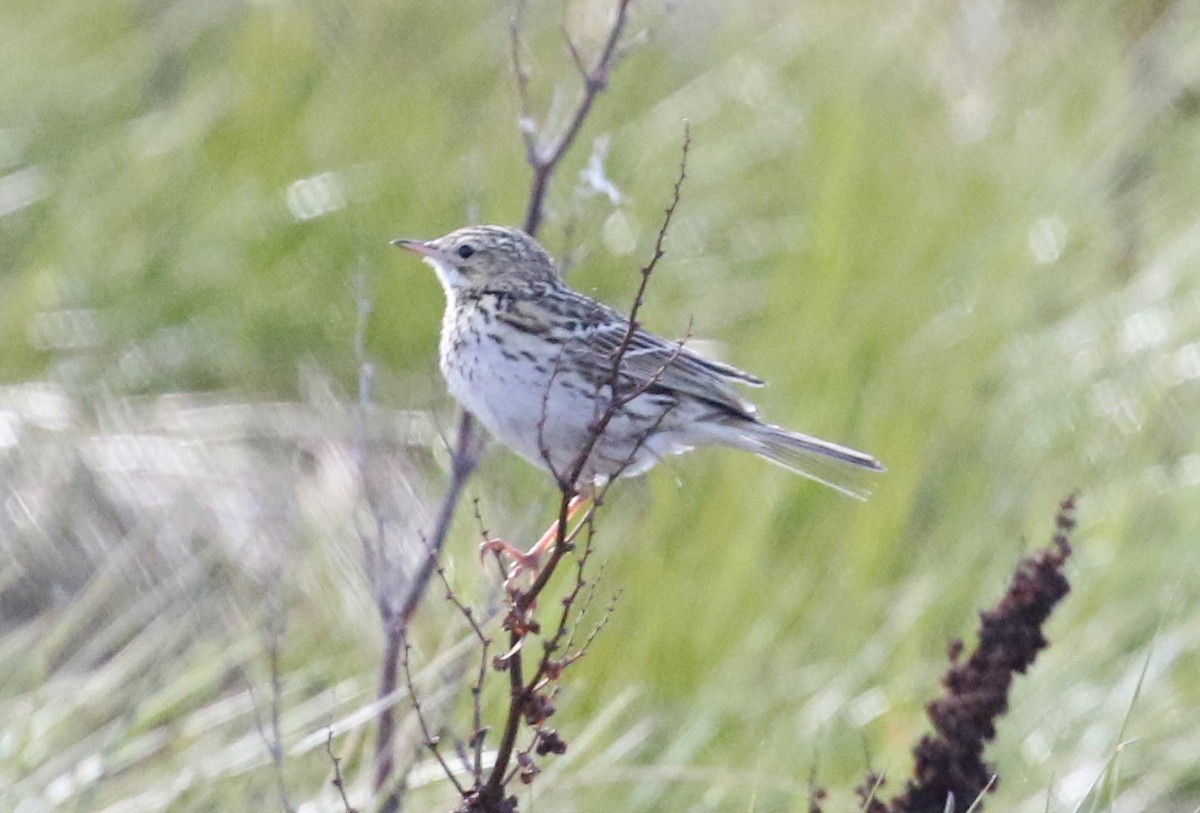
(957, 235)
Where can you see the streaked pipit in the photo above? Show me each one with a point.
(535, 362)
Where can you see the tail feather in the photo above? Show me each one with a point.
(839, 467)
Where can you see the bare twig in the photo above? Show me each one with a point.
(543, 160)
(271, 729)
(543, 447)
(525, 699)
(338, 781)
(396, 602)
(618, 401)
(463, 460)
(552, 644)
(431, 741)
(572, 657)
(520, 694)
(385, 760)
(475, 764)
(544, 681)
(273, 739)
(589, 599)
(543, 164)
(575, 55)
(483, 531)
(277, 624)
(567, 485)
(659, 252)
(525, 124)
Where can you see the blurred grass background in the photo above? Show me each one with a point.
(960, 235)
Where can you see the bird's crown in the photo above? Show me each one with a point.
(485, 257)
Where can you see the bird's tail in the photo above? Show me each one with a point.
(839, 467)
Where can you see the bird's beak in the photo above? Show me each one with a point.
(415, 246)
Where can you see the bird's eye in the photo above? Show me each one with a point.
(465, 251)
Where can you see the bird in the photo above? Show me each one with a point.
(572, 386)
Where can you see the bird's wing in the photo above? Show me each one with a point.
(654, 361)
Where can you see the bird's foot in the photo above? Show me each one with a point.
(531, 561)
(520, 562)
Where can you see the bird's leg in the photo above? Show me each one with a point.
(531, 560)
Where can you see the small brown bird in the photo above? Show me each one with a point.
(534, 362)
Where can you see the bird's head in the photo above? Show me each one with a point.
(479, 258)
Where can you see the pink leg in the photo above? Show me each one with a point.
(531, 560)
